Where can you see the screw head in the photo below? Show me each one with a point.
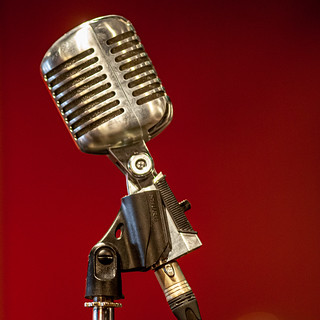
(105, 257)
(140, 164)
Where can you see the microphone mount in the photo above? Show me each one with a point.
(150, 231)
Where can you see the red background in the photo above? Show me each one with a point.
(243, 148)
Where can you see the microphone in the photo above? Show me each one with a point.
(112, 102)
(105, 86)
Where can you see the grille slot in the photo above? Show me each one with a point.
(68, 63)
(137, 72)
(151, 97)
(90, 105)
(94, 114)
(141, 80)
(133, 63)
(129, 54)
(98, 122)
(120, 37)
(85, 97)
(145, 89)
(81, 88)
(124, 46)
(77, 80)
(72, 72)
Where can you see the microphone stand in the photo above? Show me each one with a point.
(150, 231)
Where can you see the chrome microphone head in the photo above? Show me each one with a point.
(105, 85)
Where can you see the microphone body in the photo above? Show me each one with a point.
(105, 86)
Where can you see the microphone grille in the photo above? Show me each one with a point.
(130, 55)
(79, 104)
(105, 85)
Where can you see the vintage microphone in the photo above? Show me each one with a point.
(112, 101)
(105, 86)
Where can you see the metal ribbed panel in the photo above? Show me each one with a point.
(81, 91)
(136, 67)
